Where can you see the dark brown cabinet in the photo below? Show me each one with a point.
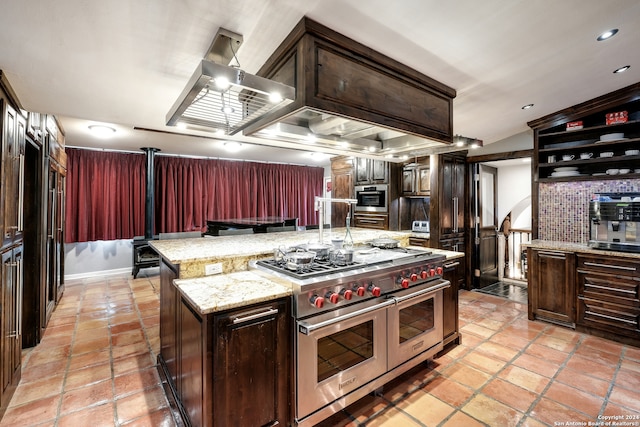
(451, 196)
(452, 273)
(368, 220)
(608, 297)
(370, 171)
(10, 322)
(226, 368)
(551, 290)
(342, 187)
(416, 179)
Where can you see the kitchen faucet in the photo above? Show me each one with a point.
(319, 206)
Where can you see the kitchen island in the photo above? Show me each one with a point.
(227, 339)
(594, 291)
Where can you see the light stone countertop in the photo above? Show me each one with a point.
(212, 294)
(577, 247)
(235, 252)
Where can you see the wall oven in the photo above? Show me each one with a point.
(372, 198)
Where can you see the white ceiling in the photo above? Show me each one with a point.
(125, 62)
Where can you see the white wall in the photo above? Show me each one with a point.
(97, 258)
(514, 194)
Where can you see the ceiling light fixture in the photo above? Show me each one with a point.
(102, 131)
(621, 69)
(466, 142)
(232, 146)
(607, 34)
(526, 107)
(222, 96)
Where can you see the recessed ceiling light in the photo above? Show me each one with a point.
(526, 107)
(607, 34)
(275, 97)
(102, 131)
(621, 69)
(232, 146)
(227, 109)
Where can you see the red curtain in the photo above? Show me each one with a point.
(105, 193)
(191, 191)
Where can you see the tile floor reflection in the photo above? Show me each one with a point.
(96, 367)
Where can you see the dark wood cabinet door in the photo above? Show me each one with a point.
(9, 181)
(379, 171)
(168, 319)
(250, 366)
(10, 323)
(192, 365)
(423, 180)
(552, 292)
(342, 188)
(362, 170)
(450, 301)
(408, 181)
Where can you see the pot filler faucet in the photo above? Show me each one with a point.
(319, 206)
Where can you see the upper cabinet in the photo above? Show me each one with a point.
(369, 171)
(596, 140)
(416, 178)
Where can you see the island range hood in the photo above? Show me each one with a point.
(224, 98)
(334, 95)
(352, 99)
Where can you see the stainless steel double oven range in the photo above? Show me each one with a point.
(359, 326)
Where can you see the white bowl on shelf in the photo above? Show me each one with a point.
(613, 171)
(611, 136)
(607, 154)
(632, 152)
(624, 171)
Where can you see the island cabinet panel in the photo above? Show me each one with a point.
(609, 296)
(250, 366)
(552, 291)
(452, 273)
(227, 368)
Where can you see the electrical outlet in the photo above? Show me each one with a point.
(210, 269)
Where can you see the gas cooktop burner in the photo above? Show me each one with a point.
(317, 268)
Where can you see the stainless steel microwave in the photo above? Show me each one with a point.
(372, 198)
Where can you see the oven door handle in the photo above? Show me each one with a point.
(443, 285)
(307, 328)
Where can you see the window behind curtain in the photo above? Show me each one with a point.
(105, 193)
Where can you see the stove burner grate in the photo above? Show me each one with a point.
(316, 268)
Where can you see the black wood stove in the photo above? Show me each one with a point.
(143, 254)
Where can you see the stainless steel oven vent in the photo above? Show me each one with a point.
(224, 98)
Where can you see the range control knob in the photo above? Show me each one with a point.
(424, 274)
(403, 282)
(359, 290)
(439, 271)
(432, 272)
(413, 277)
(333, 297)
(375, 291)
(346, 294)
(317, 301)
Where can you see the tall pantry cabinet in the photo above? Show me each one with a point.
(30, 216)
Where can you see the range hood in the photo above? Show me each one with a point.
(352, 99)
(223, 98)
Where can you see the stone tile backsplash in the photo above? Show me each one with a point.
(564, 207)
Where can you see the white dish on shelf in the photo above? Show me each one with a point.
(566, 169)
(632, 152)
(613, 171)
(611, 137)
(607, 154)
(624, 171)
(565, 174)
(636, 171)
(598, 174)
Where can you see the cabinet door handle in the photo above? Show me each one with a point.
(553, 254)
(451, 265)
(254, 316)
(604, 316)
(21, 194)
(368, 221)
(607, 288)
(614, 267)
(455, 214)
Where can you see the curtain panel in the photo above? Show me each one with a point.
(191, 191)
(105, 193)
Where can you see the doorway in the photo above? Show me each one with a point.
(500, 221)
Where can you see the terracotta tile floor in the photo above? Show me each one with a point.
(96, 367)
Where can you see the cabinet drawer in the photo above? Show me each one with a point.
(606, 287)
(609, 265)
(607, 316)
(419, 241)
(378, 222)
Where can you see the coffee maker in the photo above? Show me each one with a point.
(614, 222)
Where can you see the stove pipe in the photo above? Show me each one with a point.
(149, 192)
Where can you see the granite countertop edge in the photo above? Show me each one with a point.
(576, 247)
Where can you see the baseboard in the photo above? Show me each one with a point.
(102, 273)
